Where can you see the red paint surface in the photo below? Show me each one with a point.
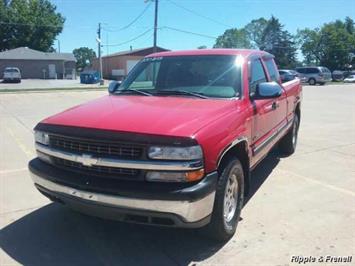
(214, 123)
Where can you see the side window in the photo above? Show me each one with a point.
(271, 68)
(316, 70)
(257, 75)
(301, 70)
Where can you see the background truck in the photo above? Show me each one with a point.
(174, 144)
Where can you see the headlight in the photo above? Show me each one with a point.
(41, 137)
(175, 153)
(157, 176)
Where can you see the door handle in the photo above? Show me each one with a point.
(274, 105)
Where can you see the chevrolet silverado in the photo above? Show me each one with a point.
(174, 144)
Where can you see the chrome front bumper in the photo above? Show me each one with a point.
(188, 211)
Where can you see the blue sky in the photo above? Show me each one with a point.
(83, 16)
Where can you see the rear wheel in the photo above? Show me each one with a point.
(288, 143)
(228, 201)
(312, 82)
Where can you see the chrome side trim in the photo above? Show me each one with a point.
(234, 142)
(262, 145)
(189, 211)
(87, 159)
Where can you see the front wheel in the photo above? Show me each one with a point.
(312, 82)
(228, 202)
(289, 142)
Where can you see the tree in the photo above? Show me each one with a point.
(233, 38)
(31, 23)
(254, 30)
(280, 43)
(84, 57)
(262, 34)
(331, 45)
(309, 40)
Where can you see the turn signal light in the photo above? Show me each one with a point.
(194, 175)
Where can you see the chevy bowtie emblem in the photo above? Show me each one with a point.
(86, 159)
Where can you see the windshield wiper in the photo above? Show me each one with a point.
(134, 90)
(181, 92)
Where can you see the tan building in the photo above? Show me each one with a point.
(117, 65)
(35, 64)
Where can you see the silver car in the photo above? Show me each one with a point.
(12, 74)
(314, 75)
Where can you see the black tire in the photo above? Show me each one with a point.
(288, 143)
(312, 82)
(222, 228)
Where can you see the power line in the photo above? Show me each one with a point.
(164, 27)
(131, 23)
(199, 15)
(143, 41)
(131, 40)
(190, 32)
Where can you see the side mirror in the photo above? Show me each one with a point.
(267, 90)
(113, 86)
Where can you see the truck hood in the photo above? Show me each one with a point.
(172, 116)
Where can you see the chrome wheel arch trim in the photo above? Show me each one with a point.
(232, 145)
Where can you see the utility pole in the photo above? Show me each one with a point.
(99, 52)
(155, 26)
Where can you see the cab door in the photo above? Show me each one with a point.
(280, 103)
(269, 114)
(262, 109)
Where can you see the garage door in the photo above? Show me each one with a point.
(131, 64)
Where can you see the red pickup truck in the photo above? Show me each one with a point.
(173, 144)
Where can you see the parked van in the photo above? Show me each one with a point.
(314, 75)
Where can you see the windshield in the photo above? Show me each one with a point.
(210, 76)
(11, 70)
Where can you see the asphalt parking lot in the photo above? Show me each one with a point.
(303, 205)
(45, 84)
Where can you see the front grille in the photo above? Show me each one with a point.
(102, 171)
(99, 148)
